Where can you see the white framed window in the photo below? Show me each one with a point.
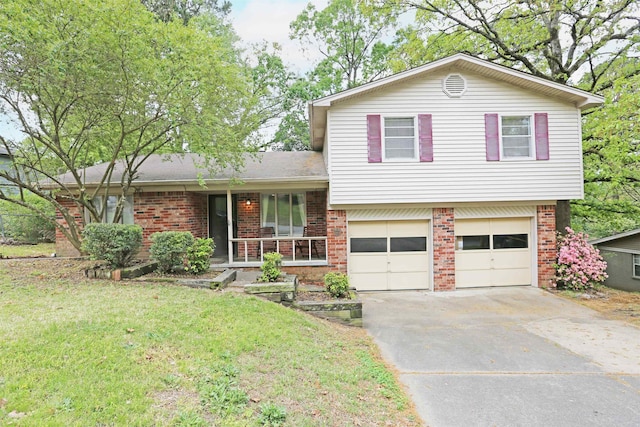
(110, 211)
(400, 139)
(636, 266)
(516, 137)
(284, 212)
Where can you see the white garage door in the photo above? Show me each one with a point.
(389, 255)
(493, 252)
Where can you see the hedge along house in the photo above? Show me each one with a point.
(445, 176)
(277, 203)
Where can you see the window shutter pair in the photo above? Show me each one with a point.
(374, 138)
(492, 136)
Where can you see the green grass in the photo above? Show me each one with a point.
(77, 353)
(27, 251)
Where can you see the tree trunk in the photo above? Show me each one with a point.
(563, 216)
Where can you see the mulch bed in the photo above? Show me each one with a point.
(317, 296)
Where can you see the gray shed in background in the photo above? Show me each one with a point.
(622, 253)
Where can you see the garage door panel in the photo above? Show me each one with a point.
(401, 262)
(512, 277)
(472, 260)
(369, 281)
(368, 263)
(472, 227)
(473, 278)
(511, 259)
(407, 228)
(407, 280)
(510, 225)
(367, 229)
(408, 262)
(502, 258)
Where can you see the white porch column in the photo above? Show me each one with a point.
(230, 225)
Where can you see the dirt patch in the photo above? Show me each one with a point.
(613, 303)
(317, 296)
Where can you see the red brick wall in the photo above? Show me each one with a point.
(248, 221)
(63, 247)
(444, 261)
(317, 216)
(169, 211)
(337, 240)
(546, 221)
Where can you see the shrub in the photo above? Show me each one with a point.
(199, 255)
(271, 267)
(337, 284)
(169, 249)
(117, 244)
(24, 225)
(579, 266)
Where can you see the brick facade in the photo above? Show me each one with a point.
(444, 260)
(169, 211)
(337, 240)
(63, 246)
(547, 252)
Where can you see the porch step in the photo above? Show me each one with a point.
(224, 278)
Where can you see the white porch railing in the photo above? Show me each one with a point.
(294, 250)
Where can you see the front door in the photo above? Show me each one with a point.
(218, 229)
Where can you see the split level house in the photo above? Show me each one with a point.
(442, 177)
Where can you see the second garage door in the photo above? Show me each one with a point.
(389, 255)
(493, 252)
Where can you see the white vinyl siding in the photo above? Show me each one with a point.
(517, 138)
(459, 172)
(399, 142)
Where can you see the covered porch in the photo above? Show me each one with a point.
(246, 225)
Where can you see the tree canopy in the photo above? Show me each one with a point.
(106, 82)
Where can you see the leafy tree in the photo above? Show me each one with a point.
(555, 39)
(89, 82)
(184, 10)
(349, 34)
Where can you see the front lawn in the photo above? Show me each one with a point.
(27, 251)
(80, 352)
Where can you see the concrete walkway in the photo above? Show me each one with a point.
(508, 357)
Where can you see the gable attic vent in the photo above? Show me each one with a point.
(454, 85)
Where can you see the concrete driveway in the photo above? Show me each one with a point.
(508, 357)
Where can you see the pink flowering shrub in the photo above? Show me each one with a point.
(580, 266)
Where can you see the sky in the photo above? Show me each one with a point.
(259, 20)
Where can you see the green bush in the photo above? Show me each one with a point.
(199, 255)
(271, 267)
(25, 225)
(169, 249)
(117, 244)
(337, 284)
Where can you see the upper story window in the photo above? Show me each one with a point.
(400, 138)
(522, 137)
(284, 212)
(516, 137)
(110, 210)
(405, 138)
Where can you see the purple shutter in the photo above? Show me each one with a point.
(425, 137)
(492, 136)
(374, 138)
(542, 136)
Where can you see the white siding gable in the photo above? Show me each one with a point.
(459, 171)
